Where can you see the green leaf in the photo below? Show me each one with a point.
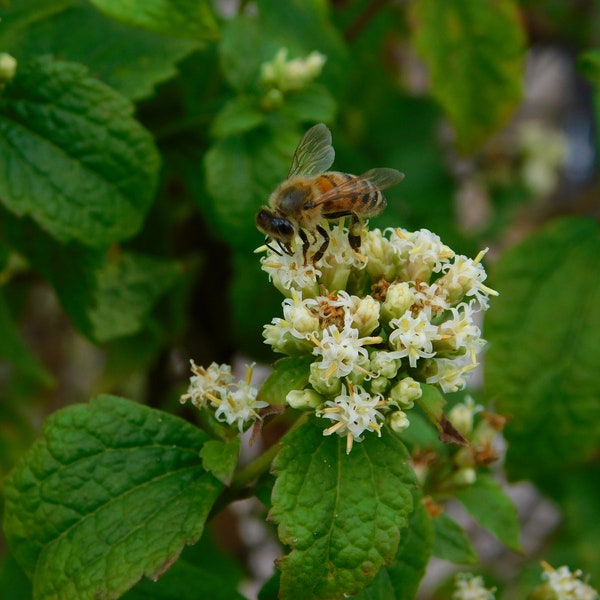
(544, 359)
(340, 513)
(237, 116)
(241, 173)
(79, 164)
(488, 504)
(451, 543)
(474, 52)
(18, 15)
(185, 582)
(290, 373)
(112, 491)
(402, 578)
(589, 65)
(220, 458)
(311, 104)
(179, 18)
(132, 63)
(240, 52)
(126, 290)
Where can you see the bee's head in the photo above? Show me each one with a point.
(275, 227)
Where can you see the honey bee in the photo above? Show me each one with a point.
(311, 193)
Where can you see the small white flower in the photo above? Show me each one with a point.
(290, 335)
(287, 75)
(422, 251)
(449, 374)
(464, 278)
(342, 352)
(567, 585)
(353, 413)
(239, 405)
(291, 272)
(471, 587)
(413, 337)
(204, 382)
(460, 332)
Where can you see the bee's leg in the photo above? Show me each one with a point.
(319, 253)
(285, 248)
(269, 245)
(305, 243)
(354, 232)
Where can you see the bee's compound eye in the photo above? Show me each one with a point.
(284, 228)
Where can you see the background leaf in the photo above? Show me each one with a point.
(80, 177)
(474, 52)
(451, 543)
(130, 60)
(112, 491)
(544, 349)
(486, 501)
(340, 513)
(290, 373)
(180, 18)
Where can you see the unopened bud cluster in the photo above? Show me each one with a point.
(282, 75)
(378, 324)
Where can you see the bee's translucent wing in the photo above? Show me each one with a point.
(314, 154)
(380, 179)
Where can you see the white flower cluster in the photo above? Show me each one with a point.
(567, 585)
(286, 75)
(471, 587)
(214, 387)
(377, 323)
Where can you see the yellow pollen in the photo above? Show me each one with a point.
(213, 398)
(349, 442)
(330, 371)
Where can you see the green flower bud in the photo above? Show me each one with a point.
(328, 387)
(398, 421)
(304, 399)
(398, 300)
(383, 364)
(405, 392)
(8, 67)
(366, 316)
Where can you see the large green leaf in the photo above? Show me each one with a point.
(474, 52)
(340, 513)
(111, 492)
(75, 159)
(544, 359)
(179, 18)
(401, 579)
(130, 60)
(290, 373)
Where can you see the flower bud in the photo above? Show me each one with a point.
(380, 385)
(405, 392)
(383, 364)
(380, 256)
(304, 399)
(366, 315)
(464, 477)
(398, 421)
(8, 67)
(327, 386)
(398, 300)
